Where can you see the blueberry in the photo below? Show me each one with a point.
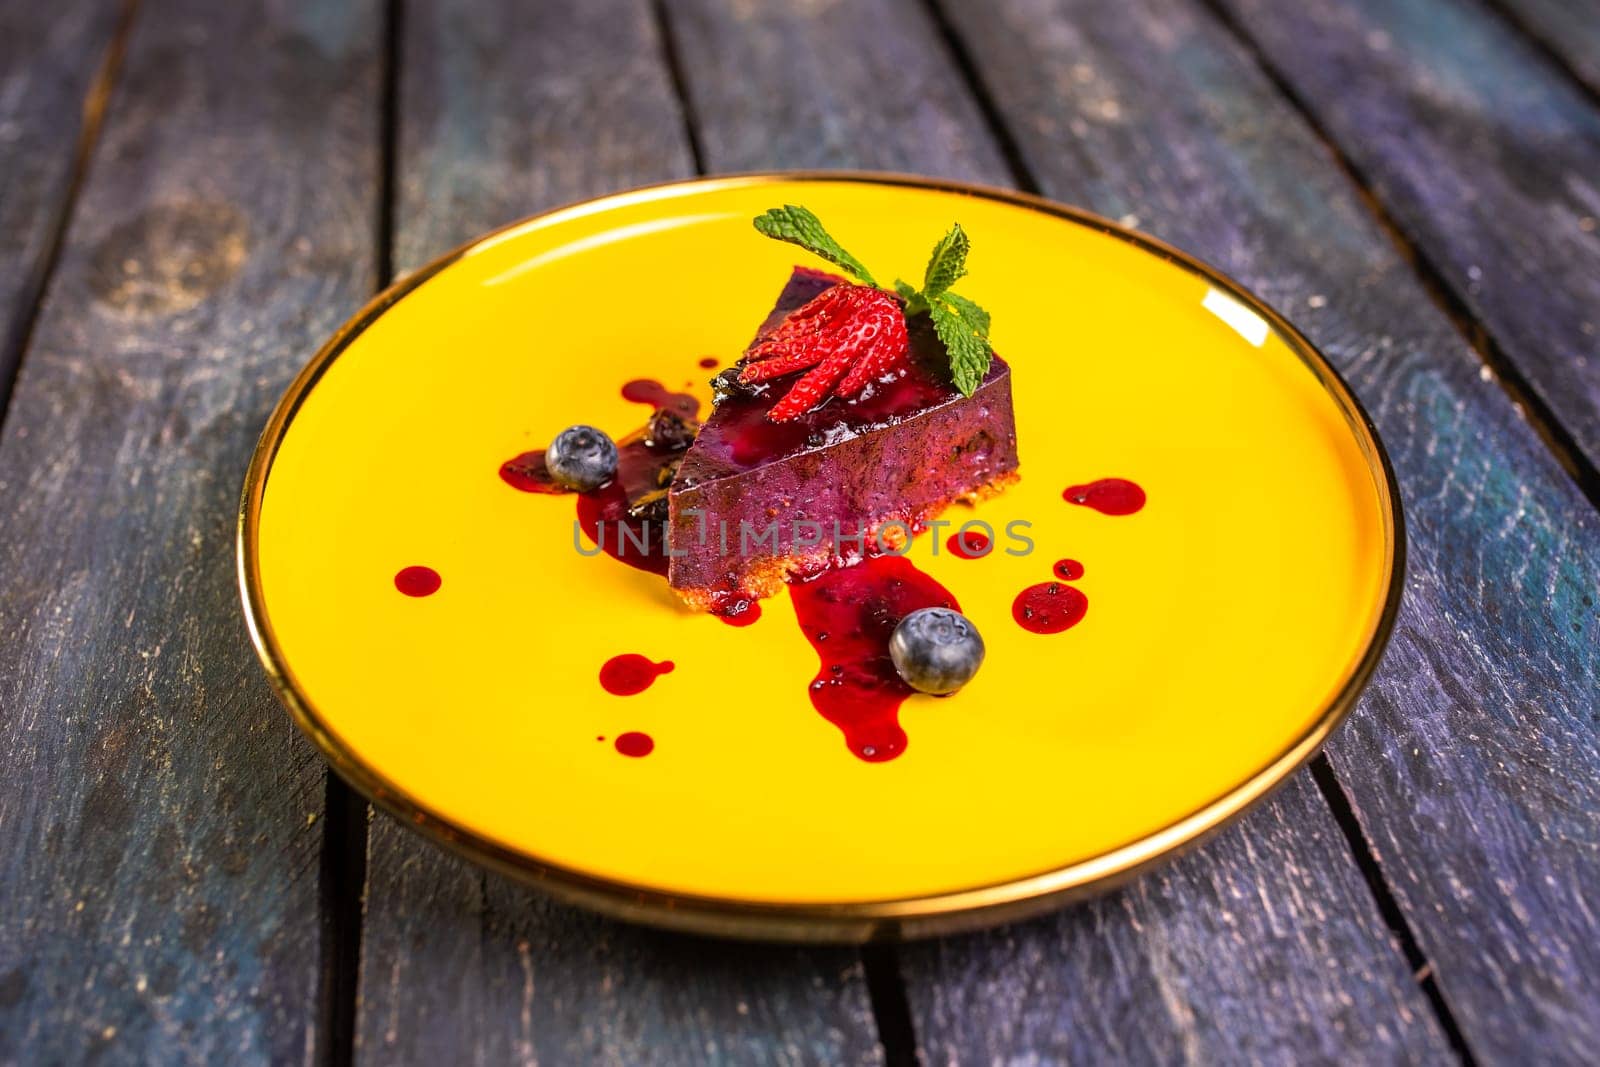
(581, 458)
(936, 650)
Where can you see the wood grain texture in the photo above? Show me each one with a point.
(1238, 939)
(508, 109)
(1484, 153)
(158, 821)
(821, 85)
(50, 56)
(1473, 760)
(1240, 952)
(461, 966)
(1568, 28)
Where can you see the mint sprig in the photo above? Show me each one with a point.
(800, 227)
(964, 328)
(948, 263)
(961, 325)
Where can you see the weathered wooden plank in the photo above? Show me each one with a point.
(815, 85)
(158, 836)
(507, 109)
(1473, 761)
(1569, 28)
(1236, 953)
(50, 57)
(464, 967)
(1224, 949)
(1484, 153)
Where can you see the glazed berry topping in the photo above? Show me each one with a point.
(667, 431)
(843, 339)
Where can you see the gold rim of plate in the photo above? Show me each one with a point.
(911, 917)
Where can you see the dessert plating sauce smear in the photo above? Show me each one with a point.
(418, 581)
(649, 391)
(631, 673)
(848, 615)
(1049, 608)
(635, 744)
(1109, 496)
(528, 473)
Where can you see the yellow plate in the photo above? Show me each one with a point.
(1231, 621)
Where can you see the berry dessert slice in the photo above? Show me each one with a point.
(854, 417)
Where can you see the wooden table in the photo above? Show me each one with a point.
(194, 194)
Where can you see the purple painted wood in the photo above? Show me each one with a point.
(160, 817)
(1486, 156)
(1473, 761)
(507, 109)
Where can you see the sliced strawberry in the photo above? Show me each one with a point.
(778, 365)
(850, 334)
(812, 389)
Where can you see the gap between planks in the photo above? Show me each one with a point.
(347, 813)
(20, 331)
(1519, 24)
(1393, 915)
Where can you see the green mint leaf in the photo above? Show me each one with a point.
(800, 227)
(915, 304)
(963, 327)
(976, 317)
(948, 262)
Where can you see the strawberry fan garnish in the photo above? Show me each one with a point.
(848, 336)
(852, 335)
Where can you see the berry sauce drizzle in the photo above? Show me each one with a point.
(739, 613)
(1049, 608)
(708, 362)
(1109, 496)
(635, 744)
(1068, 570)
(631, 673)
(968, 544)
(649, 391)
(610, 518)
(528, 473)
(848, 615)
(418, 581)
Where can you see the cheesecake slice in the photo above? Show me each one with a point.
(757, 502)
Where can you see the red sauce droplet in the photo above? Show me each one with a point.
(708, 362)
(658, 396)
(1068, 570)
(968, 544)
(418, 581)
(631, 673)
(739, 613)
(1049, 608)
(635, 744)
(848, 615)
(528, 473)
(1109, 496)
